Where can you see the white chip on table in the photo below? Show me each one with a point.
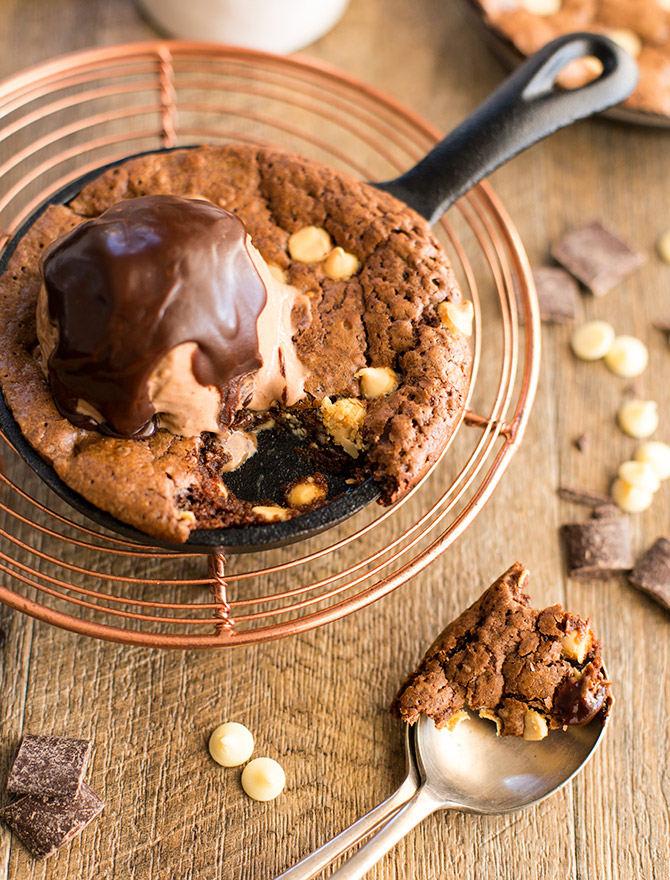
(231, 744)
(263, 779)
(592, 340)
(657, 455)
(640, 475)
(628, 357)
(629, 498)
(638, 418)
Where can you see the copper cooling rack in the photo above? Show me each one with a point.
(78, 112)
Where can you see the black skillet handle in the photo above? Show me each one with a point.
(524, 109)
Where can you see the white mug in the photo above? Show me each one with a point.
(280, 26)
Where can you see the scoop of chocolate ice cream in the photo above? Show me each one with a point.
(157, 312)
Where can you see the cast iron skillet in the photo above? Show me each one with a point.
(524, 109)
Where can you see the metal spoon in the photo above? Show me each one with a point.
(468, 769)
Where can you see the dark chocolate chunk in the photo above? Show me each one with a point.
(587, 497)
(596, 257)
(598, 548)
(662, 325)
(44, 825)
(652, 572)
(49, 766)
(582, 442)
(557, 295)
(605, 510)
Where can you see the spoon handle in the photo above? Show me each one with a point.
(311, 865)
(524, 109)
(422, 804)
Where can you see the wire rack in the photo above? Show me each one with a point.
(78, 112)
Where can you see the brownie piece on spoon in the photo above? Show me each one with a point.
(529, 671)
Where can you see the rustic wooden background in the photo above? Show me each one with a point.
(318, 702)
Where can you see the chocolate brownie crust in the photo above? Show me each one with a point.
(503, 658)
(386, 315)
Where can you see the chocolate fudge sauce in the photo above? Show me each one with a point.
(127, 287)
(579, 701)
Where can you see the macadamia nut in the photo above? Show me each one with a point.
(628, 357)
(377, 381)
(306, 492)
(576, 644)
(629, 498)
(457, 316)
(343, 419)
(270, 513)
(638, 418)
(640, 475)
(657, 455)
(340, 266)
(592, 340)
(277, 273)
(263, 779)
(231, 744)
(311, 244)
(534, 726)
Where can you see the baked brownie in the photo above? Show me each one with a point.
(640, 26)
(381, 332)
(527, 670)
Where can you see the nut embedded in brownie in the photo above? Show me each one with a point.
(529, 671)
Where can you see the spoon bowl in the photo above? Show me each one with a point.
(474, 770)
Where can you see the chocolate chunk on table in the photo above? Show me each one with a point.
(557, 295)
(586, 497)
(598, 548)
(44, 825)
(582, 442)
(652, 572)
(49, 766)
(596, 257)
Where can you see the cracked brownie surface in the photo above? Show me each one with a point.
(386, 315)
(527, 670)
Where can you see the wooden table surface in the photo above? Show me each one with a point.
(318, 702)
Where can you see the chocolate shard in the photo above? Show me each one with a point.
(586, 497)
(596, 257)
(663, 325)
(598, 548)
(557, 295)
(606, 510)
(652, 572)
(51, 766)
(45, 824)
(582, 442)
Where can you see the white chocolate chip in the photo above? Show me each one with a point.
(575, 645)
(629, 498)
(640, 475)
(592, 340)
(627, 39)
(542, 7)
(457, 316)
(657, 455)
(664, 4)
(340, 265)
(263, 779)
(638, 418)
(534, 726)
(628, 357)
(277, 273)
(271, 513)
(306, 492)
(343, 419)
(231, 744)
(663, 243)
(311, 244)
(377, 381)
(186, 516)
